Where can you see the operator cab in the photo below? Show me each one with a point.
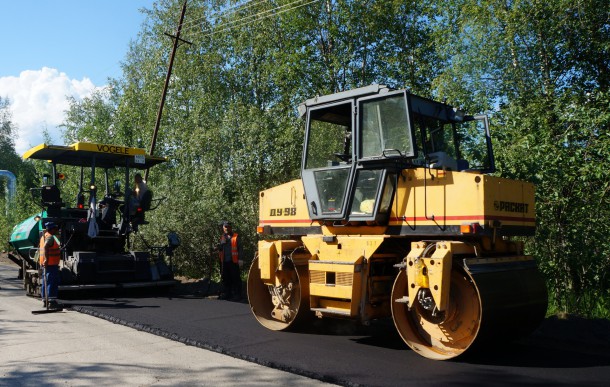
(358, 142)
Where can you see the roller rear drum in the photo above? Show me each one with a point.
(488, 303)
(285, 303)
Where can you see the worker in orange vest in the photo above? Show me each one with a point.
(230, 252)
(49, 251)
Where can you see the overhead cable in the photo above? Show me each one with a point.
(257, 17)
(224, 12)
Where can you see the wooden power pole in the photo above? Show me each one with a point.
(176, 39)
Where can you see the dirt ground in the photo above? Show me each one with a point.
(4, 259)
(201, 287)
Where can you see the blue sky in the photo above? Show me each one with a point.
(82, 38)
(54, 48)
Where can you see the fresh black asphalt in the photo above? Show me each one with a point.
(344, 353)
(561, 352)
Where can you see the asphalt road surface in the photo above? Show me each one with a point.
(67, 348)
(561, 352)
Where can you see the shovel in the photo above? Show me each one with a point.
(46, 296)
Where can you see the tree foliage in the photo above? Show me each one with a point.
(9, 160)
(230, 126)
(546, 77)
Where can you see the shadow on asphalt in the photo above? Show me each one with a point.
(533, 355)
(554, 345)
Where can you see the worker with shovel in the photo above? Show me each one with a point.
(49, 260)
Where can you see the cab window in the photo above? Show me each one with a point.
(385, 127)
(329, 137)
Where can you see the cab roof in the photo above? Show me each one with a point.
(343, 95)
(83, 154)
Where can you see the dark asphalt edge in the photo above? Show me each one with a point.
(214, 348)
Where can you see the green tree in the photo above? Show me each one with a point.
(9, 159)
(22, 205)
(541, 69)
(91, 119)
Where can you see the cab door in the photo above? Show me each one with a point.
(474, 144)
(384, 147)
(328, 161)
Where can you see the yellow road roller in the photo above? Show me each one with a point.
(397, 214)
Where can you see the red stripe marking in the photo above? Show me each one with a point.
(420, 219)
(465, 217)
(271, 221)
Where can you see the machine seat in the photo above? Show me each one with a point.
(50, 196)
(146, 200)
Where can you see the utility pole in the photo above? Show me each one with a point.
(176, 39)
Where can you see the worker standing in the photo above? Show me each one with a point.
(230, 253)
(49, 249)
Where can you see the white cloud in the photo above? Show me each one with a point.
(39, 100)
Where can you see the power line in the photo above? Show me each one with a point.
(247, 20)
(255, 16)
(225, 12)
(228, 12)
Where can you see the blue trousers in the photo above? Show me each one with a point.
(50, 284)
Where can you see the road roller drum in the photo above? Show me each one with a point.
(488, 303)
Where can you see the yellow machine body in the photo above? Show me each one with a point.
(338, 270)
(433, 201)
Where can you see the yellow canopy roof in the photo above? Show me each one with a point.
(84, 154)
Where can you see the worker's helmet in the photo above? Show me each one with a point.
(50, 225)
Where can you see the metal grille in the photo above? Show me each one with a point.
(344, 279)
(341, 279)
(317, 277)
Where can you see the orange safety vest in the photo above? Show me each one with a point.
(234, 250)
(54, 253)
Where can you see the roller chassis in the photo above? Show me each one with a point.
(407, 223)
(479, 283)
